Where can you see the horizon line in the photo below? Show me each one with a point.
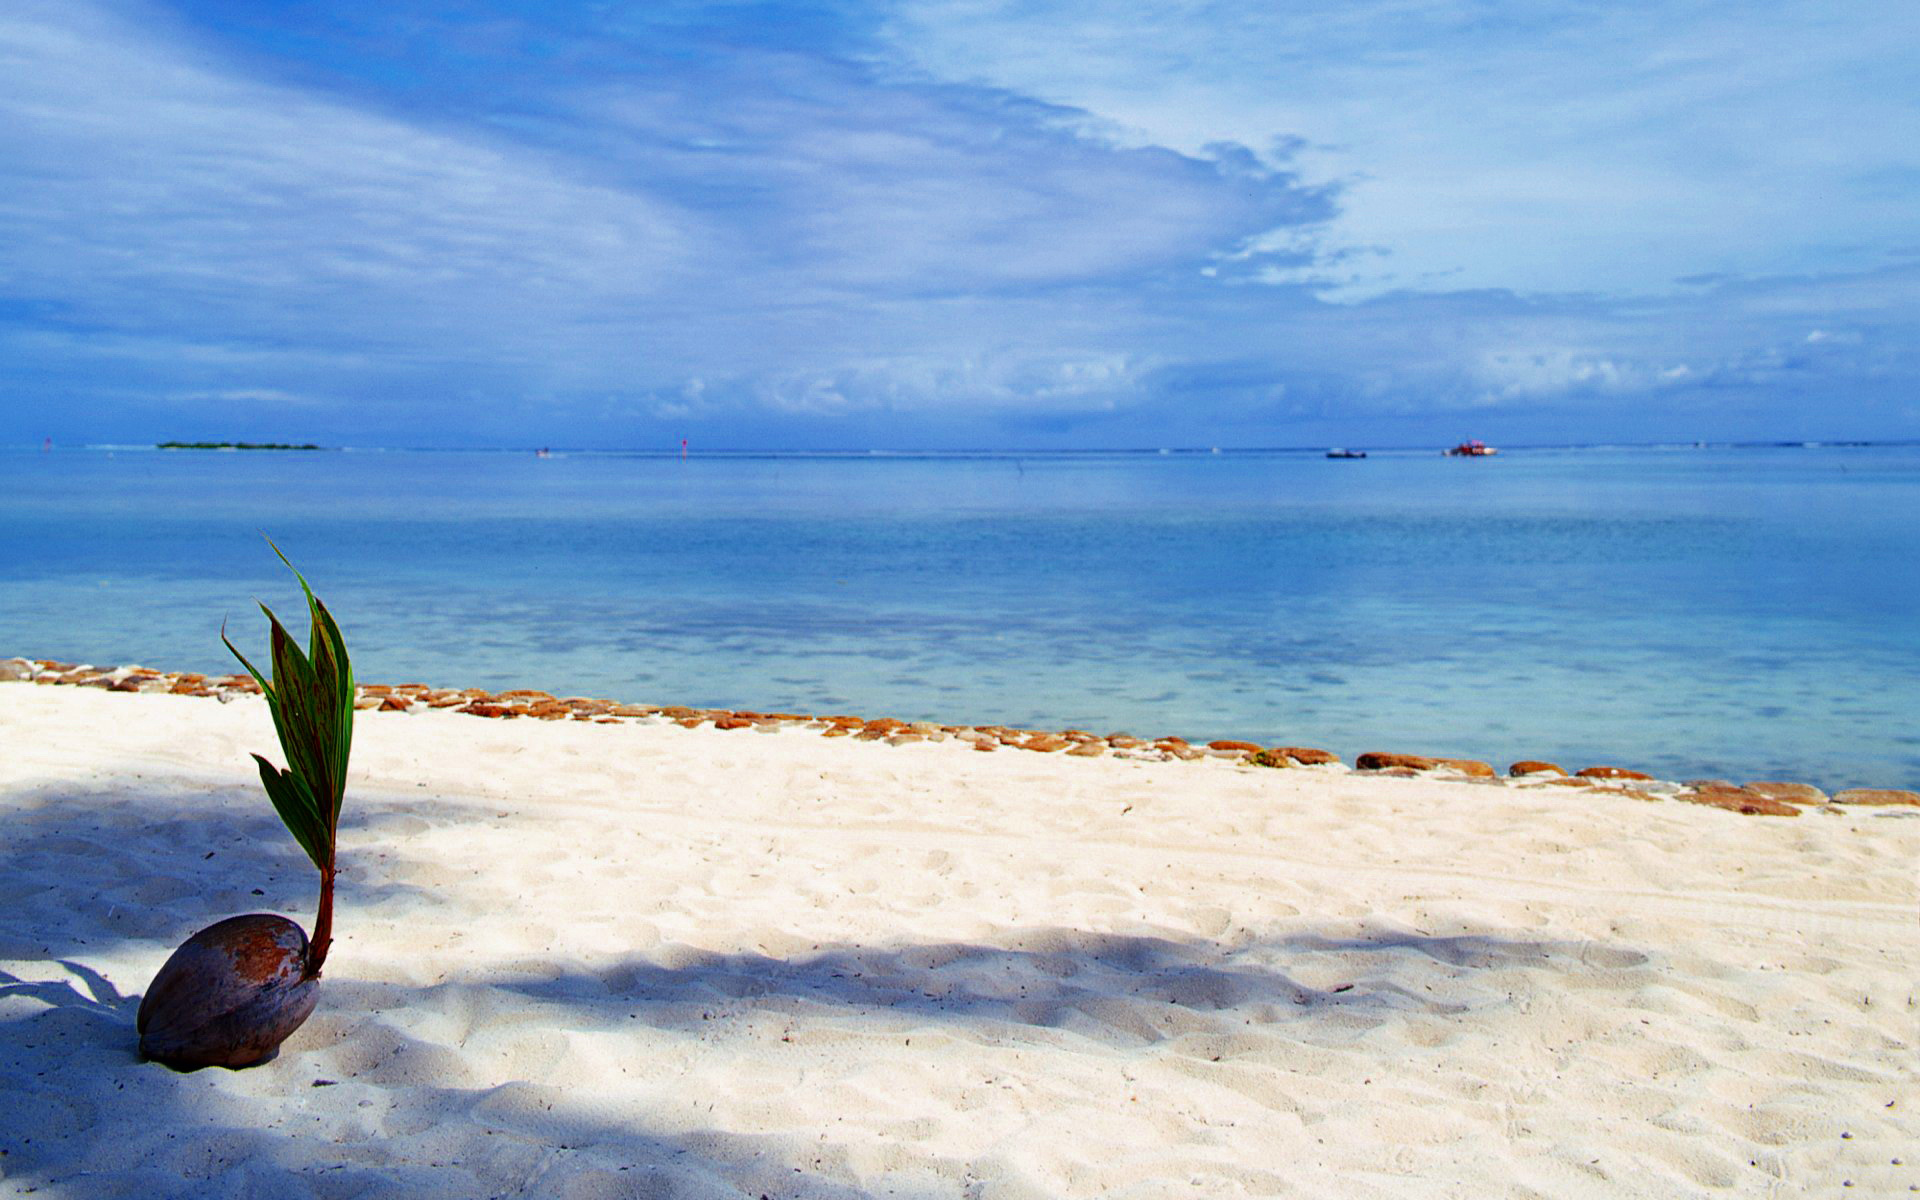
(988, 451)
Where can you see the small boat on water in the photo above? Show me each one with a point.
(1472, 449)
(1339, 453)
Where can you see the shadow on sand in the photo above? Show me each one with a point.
(76, 892)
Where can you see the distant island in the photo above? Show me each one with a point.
(235, 446)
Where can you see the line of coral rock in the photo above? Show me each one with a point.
(1770, 798)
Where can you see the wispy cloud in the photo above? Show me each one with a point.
(758, 211)
(925, 224)
(1538, 145)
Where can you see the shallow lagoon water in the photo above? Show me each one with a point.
(1737, 612)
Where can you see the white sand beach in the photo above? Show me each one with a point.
(589, 960)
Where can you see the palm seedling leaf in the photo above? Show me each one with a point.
(311, 699)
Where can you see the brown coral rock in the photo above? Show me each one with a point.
(1876, 796)
(1377, 760)
(1228, 744)
(1533, 766)
(1803, 794)
(1740, 800)
(1611, 773)
(1308, 756)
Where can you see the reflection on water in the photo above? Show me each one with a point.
(1738, 612)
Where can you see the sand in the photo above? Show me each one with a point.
(641, 960)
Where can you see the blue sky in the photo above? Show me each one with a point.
(959, 223)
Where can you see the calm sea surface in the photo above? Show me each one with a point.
(1739, 612)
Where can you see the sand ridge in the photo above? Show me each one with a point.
(636, 959)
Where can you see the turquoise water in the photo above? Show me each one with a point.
(1739, 612)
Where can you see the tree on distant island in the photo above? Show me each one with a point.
(236, 446)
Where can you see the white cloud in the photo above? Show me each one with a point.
(759, 212)
(786, 240)
(268, 397)
(1546, 147)
(147, 187)
(1546, 373)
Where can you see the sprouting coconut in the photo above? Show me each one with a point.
(234, 991)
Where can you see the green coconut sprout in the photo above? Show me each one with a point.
(311, 698)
